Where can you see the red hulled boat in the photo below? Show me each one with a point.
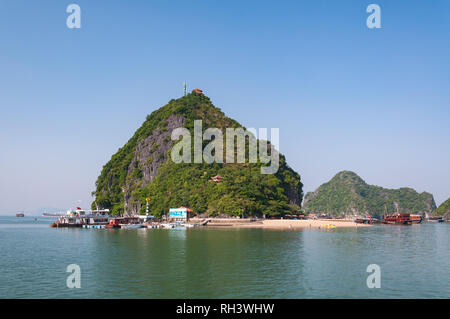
(398, 219)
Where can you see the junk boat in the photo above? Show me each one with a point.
(20, 215)
(402, 219)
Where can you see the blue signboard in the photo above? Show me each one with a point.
(178, 213)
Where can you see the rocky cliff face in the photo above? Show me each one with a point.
(150, 154)
(348, 194)
(143, 168)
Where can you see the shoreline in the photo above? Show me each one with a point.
(313, 223)
(284, 223)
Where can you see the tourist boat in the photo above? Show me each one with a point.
(20, 215)
(403, 219)
(80, 217)
(398, 219)
(113, 223)
(124, 222)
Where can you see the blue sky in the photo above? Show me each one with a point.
(345, 97)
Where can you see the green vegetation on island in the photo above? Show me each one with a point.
(143, 168)
(348, 194)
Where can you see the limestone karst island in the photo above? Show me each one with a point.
(141, 186)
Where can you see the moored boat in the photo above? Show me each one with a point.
(435, 219)
(124, 222)
(80, 217)
(20, 215)
(367, 220)
(131, 226)
(398, 219)
(364, 220)
(416, 219)
(101, 226)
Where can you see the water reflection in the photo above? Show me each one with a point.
(226, 263)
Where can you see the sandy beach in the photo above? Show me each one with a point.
(283, 223)
(313, 223)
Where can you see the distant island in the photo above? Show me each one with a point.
(143, 169)
(347, 194)
(443, 209)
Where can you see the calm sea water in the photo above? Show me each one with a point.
(223, 263)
